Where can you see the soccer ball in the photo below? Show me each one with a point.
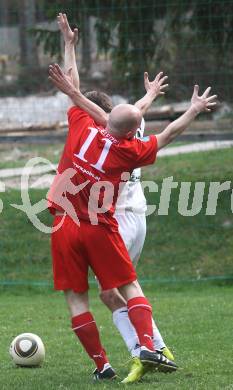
(27, 349)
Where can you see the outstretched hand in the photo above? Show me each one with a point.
(62, 81)
(203, 103)
(156, 86)
(68, 35)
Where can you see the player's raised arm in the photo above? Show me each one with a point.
(65, 84)
(70, 39)
(153, 89)
(203, 103)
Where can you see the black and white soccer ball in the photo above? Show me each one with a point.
(27, 349)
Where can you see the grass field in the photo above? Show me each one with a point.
(195, 321)
(16, 156)
(195, 318)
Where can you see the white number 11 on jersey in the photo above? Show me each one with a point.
(104, 153)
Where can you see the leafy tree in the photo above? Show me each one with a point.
(190, 39)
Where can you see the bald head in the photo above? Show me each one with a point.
(124, 119)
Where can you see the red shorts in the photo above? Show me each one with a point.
(76, 248)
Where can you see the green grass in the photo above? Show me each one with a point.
(196, 323)
(17, 157)
(215, 165)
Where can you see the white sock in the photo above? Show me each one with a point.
(106, 366)
(122, 322)
(157, 338)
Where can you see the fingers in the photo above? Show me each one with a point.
(60, 22)
(157, 85)
(53, 76)
(211, 104)
(58, 70)
(157, 77)
(66, 20)
(60, 18)
(210, 98)
(161, 81)
(206, 93)
(146, 81)
(196, 90)
(55, 82)
(55, 72)
(210, 101)
(146, 76)
(55, 67)
(63, 21)
(164, 86)
(52, 70)
(76, 35)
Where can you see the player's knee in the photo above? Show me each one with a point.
(77, 302)
(131, 290)
(108, 297)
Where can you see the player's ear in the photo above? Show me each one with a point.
(130, 134)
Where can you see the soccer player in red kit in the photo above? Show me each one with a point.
(100, 156)
(130, 207)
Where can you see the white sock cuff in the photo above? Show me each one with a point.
(123, 310)
(106, 366)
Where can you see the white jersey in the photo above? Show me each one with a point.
(132, 197)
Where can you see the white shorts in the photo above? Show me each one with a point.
(132, 228)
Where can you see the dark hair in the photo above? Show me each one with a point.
(101, 99)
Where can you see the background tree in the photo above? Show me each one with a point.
(27, 20)
(4, 12)
(191, 40)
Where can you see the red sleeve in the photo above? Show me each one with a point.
(136, 153)
(78, 118)
(145, 151)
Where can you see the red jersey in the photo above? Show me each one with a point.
(94, 167)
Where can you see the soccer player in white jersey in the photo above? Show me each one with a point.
(130, 212)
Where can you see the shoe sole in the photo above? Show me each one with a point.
(113, 378)
(160, 366)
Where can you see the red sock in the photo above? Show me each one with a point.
(85, 328)
(140, 314)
